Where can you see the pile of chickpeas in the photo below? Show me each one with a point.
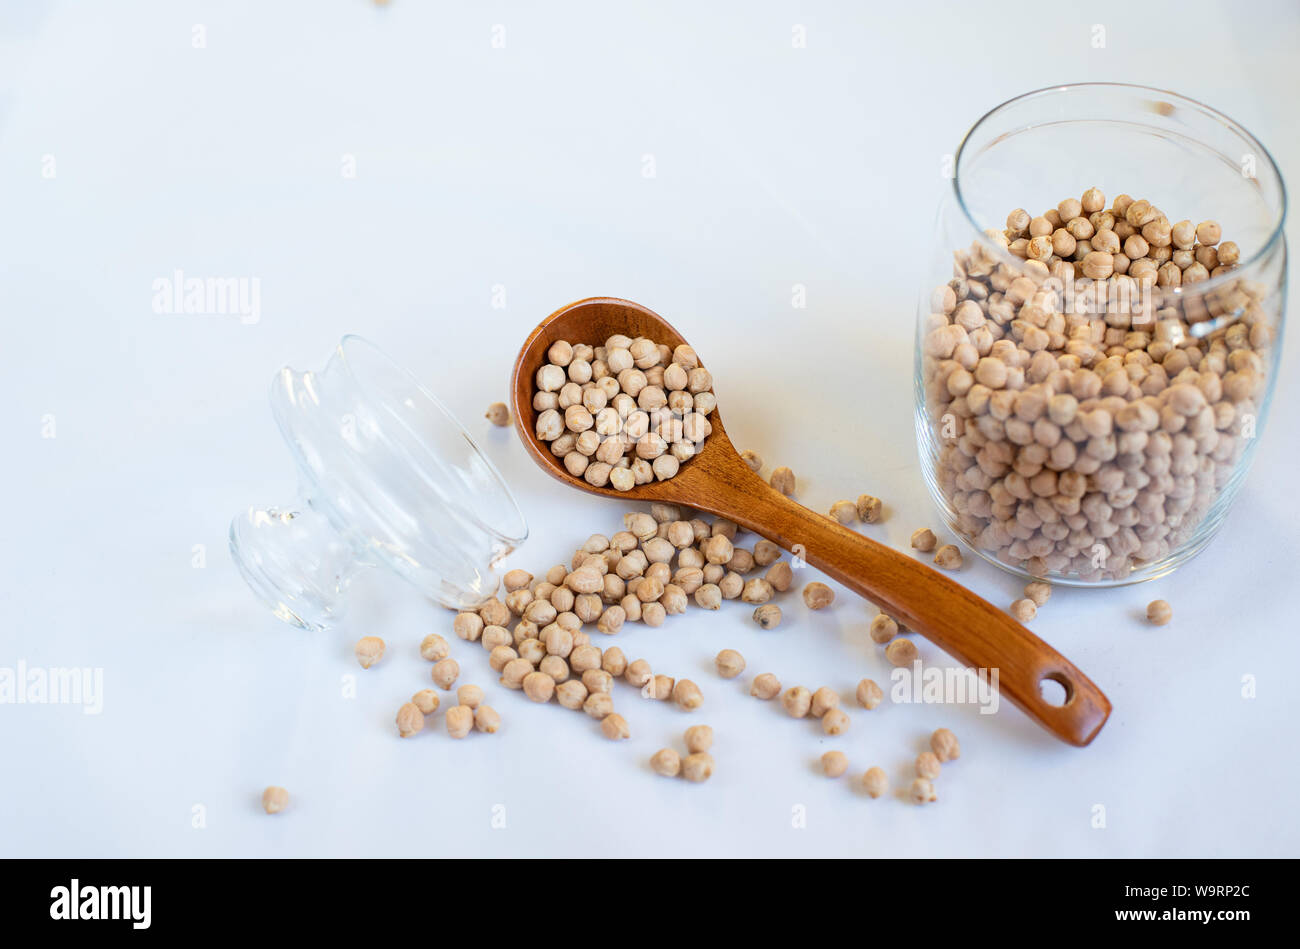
(626, 413)
(1078, 437)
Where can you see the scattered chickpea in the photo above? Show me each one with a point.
(834, 764)
(844, 511)
(274, 799)
(927, 765)
(369, 650)
(797, 701)
(410, 719)
(1159, 612)
(901, 652)
(944, 745)
(948, 557)
(708, 596)
(433, 647)
(699, 738)
(752, 459)
(766, 553)
(598, 705)
(638, 673)
(1024, 610)
(460, 720)
(1038, 592)
(768, 616)
(498, 414)
(818, 596)
(869, 508)
(729, 663)
(883, 628)
(571, 694)
(922, 791)
(783, 480)
(514, 671)
(614, 727)
(660, 688)
(468, 626)
(666, 762)
(875, 782)
(869, 694)
(924, 540)
(445, 672)
(538, 686)
(823, 700)
(697, 767)
(765, 686)
(687, 696)
(757, 591)
(471, 696)
(486, 719)
(835, 722)
(426, 700)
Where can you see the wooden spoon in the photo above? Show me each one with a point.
(718, 481)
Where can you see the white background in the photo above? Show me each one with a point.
(521, 168)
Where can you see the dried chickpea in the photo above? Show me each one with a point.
(1159, 612)
(924, 540)
(666, 762)
(944, 745)
(1038, 592)
(598, 680)
(709, 596)
(729, 663)
(883, 628)
(1024, 610)
(686, 695)
(768, 616)
(433, 647)
(494, 636)
(538, 686)
(445, 672)
(653, 614)
(818, 596)
(470, 696)
(766, 553)
(498, 657)
(498, 414)
(369, 650)
(638, 673)
(783, 480)
(757, 591)
(927, 765)
(869, 694)
(796, 701)
(844, 511)
(765, 686)
(426, 700)
(869, 508)
(834, 764)
(901, 652)
(459, 721)
(779, 576)
(823, 700)
(614, 727)
(835, 722)
(875, 782)
(486, 719)
(598, 705)
(494, 613)
(274, 799)
(948, 557)
(699, 738)
(922, 791)
(514, 672)
(752, 459)
(410, 720)
(697, 767)
(730, 584)
(613, 661)
(468, 626)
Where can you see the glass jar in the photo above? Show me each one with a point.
(1088, 404)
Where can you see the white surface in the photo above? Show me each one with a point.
(522, 167)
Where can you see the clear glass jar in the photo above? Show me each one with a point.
(1088, 428)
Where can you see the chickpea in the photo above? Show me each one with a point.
(687, 696)
(834, 764)
(598, 705)
(613, 661)
(835, 722)
(470, 696)
(729, 663)
(514, 672)
(927, 765)
(1038, 592)
(538, 686)
(869, 694)
(426, 700)
(1024, 610)
(797, 701)
(944, 745)
(1159, 612)
(779, 576)
(498, 658)
(433, 647)
(875, 782)
(766, 553)
(948, 557)
(753, 460)
(924, 540)
(783, 480)
(823, 700)
(638, 673)
(614, 727)
(765, 686)
(709, 596)
(818, 596)
(445, 672)
(369, 650)
(697, 767)
(459, 720)
(757, 591)
(666, 762)
(844, 511)
(699, 738)
(275, 799)
(410, 720)
(486, 719)
(869, 508)
(883, 628)
(901, 652)
(922, 791)
(571, 694)
(768, 616)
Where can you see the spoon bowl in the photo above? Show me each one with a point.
(717, 480)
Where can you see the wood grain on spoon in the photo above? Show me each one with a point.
(718, 481)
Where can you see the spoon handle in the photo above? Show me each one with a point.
(971, 629)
